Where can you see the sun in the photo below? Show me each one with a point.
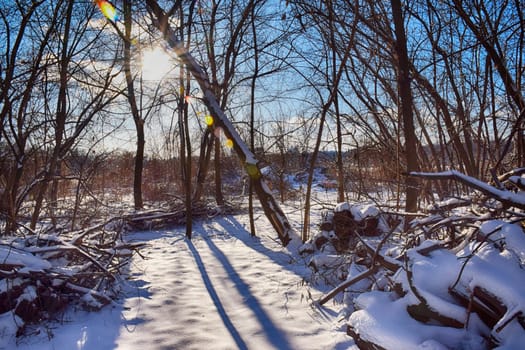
(156, 64)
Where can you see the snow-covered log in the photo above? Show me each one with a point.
(270, 206)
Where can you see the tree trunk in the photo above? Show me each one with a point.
(406, 109)
(219, 197)
(339, 137)
(61, 115)
(252, 118)
(204, 161)
(137, 119)
(139, 165)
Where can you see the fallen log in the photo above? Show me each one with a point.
(362, 343)
(490, 309)
(424, 311)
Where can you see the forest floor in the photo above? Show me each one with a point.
(223, 289)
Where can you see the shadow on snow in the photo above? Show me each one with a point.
(273, 334)
(216, 300)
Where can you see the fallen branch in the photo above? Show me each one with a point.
(346, 284)
(79, 236)
(423, 311)
(507, 198)
(55, 270)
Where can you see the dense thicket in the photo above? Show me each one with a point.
(295, 77)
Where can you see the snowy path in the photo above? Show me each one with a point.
(222, 290)
(218, 290)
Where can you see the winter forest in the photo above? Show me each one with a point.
(262, 174)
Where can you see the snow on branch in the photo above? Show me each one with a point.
(41, 274)
(506, 197)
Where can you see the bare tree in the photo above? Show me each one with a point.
(457, 103)
(324, 17)
(253, 83)
(68, 48)
(272, 210)
(486, 20)
(406, 104)
(15, 93)
(135, 112)
(50, 59)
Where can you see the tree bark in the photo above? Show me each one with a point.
(219, 197)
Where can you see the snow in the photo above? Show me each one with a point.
(28, 295)
(8, 326)
(516, 198)
(343, 206)
(498, 272)
(223, 290)
(11, 256)
(359, 211)
(227, 290)
(388, 323)
(433, 276)
(382, 317)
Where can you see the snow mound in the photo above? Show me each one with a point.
(385, 322)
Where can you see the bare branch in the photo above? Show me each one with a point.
(508, 198)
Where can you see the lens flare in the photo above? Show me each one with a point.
(228, 143)
(107, 10)
(208, 119)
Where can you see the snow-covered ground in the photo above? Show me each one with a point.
(227, 290)
(221, 290)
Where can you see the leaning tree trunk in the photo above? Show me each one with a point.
(270, 206)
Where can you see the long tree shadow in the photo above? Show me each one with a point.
(298, 265)
(215, 297)
(273, 334)
(279, 255)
